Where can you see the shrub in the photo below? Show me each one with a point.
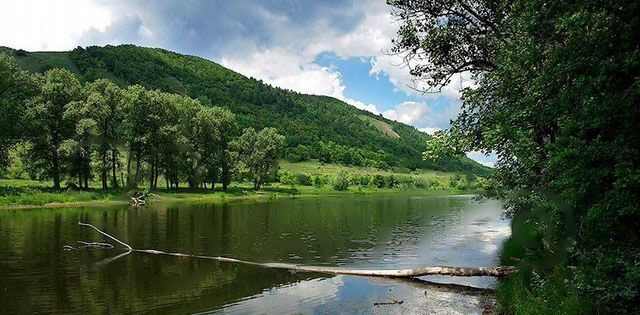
(303, 179)
(360, 179)
(341, 181)
(377, 181)
(287, 177)
(319, 181)
(421, 183)
(390, 181)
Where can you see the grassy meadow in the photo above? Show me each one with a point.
(17, 193)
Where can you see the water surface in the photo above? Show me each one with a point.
(384, 232)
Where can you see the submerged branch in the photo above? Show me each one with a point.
(107, 235)
(398, 273)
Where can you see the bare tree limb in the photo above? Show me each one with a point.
(107, 235)
(398, 273)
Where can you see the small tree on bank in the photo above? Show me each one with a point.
(341, 181)
(259, 151)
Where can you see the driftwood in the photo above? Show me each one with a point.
(95, 245)
(399, 273)
(388, 303)
(138, 201)
(107, 235)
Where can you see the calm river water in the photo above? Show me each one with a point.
(38, 276)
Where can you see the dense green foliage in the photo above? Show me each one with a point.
(558, 86)
(259, 151)
(343, 178)
(69, 130)
(341, 181)
(305, 120)
(16, 87)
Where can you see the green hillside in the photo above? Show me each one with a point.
(309, 122)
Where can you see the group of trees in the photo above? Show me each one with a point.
(330, 152)
(557, 88)
(306, 120)
(342, 180)
(123, 136)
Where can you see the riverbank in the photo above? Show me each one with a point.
(535, 290)
(27, 194)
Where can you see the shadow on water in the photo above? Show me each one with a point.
(388, 232)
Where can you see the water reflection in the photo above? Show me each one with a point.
(377, 232)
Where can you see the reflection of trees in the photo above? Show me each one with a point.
(39, 276)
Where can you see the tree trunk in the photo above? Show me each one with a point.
(152, 175)
(55, 172)
(129, 168)
(105, 170)
(104, 179)
(500, 271)
(155, 181)
(214, 177)
(114, 162)
(226, 176)
(137, 175)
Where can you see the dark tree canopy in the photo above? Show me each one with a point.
(439, 39)
(556, 97)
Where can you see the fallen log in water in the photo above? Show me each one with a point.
(400, 273)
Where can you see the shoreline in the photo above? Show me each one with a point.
(199, 198)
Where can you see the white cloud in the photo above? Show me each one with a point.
(295, 72)
(370, 38)
(422, 115)
(429, 130)
(396, 70)
(484, 159)
(360, 105)
(49, 25)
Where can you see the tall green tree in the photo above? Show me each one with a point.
(179, 151)
(215, 130)
(75, 152)
(140, 121)
(48, 126)
(105, 102)
(557, 86)
(259, 151)
(16, 87)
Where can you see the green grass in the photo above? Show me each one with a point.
(19, 192)
(381, 126)
(435, 180)
(42, 61)
(315, 167)
(38, 193)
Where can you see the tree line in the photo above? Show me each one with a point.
(124, 136)
(556, 94)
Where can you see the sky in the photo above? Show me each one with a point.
(338, 48)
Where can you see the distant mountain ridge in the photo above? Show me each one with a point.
(304, 119)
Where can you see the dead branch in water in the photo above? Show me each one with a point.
(107, 235)
(388, 303)
(95, 245)
(399, 273)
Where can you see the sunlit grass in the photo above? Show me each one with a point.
(22, 192)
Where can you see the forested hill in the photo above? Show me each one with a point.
(318, 127)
